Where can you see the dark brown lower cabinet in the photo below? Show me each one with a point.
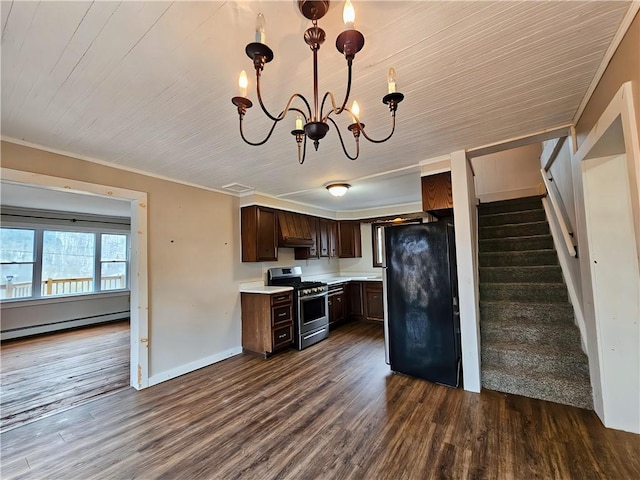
(355, 300)
(373, 303)
(267, 322)
(337, 303)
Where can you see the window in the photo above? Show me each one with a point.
(113, 262)
(377, 237)
(377, 234)
(67, 262)
(45, 263)
(17, 257)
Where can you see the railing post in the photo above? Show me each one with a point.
(49, 286)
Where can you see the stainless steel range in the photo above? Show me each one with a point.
(310, 304)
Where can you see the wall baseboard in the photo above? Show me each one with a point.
(190, 367)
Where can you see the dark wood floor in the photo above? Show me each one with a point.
(333, 411)
(47, 373)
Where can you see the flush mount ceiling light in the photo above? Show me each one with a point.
(313, 122)
(338, 189)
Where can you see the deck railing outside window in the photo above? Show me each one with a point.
(61, 286)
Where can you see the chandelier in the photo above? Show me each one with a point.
(313, 122)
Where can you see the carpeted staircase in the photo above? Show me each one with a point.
(530, 343)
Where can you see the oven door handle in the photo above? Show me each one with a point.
(317, 295)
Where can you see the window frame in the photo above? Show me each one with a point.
(36, 280)
(378, 226)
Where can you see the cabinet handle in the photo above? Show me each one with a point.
(339, 299)
(284, 335)
(283, 314)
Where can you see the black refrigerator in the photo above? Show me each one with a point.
(422, 326)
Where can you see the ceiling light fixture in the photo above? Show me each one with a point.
(338, 189)
(313, 122)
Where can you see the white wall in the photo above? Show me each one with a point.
(466, 231)
(30, 317)
(365, 263)
(508, 174)
(616, 278)
(563, 180)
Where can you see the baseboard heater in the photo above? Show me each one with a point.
(63, 325)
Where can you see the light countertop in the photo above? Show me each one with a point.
(329, 279)
(259, 287)
(334, 279)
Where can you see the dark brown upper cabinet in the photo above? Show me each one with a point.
(349, 243)
(258, 232)
(327, 234)
(437, 197)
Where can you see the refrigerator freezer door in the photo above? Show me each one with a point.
(420, 316)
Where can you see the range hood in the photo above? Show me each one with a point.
(293, 230)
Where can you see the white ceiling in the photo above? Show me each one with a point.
(148, 85)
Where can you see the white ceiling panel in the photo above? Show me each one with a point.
(147, 85)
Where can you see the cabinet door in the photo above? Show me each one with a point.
(333, 238)
(355, 306)
(436, 192)
(337, 310)
(374, 306)
(349, 239)
(323, 227)
(258, 232)
(266, 235)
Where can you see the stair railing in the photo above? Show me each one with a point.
(560, 212)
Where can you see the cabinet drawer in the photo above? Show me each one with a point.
(281, 314)
(278, 298)
(282, 336)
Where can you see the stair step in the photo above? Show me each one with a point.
(514, 230)
(568, 362)
(524, 292)
(520, 258)
(540, 313)
(507, 244)
(558, 389)
(514, 205)
(511, 218)
(558, 335)
(535, 274)
(530, 344)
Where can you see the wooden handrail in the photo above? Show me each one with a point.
(567, 233)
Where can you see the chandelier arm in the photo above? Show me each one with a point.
(257, 144)
(344, 149)
(286, 108)
(335, 110)
(273, 126)
(393, 129)
(264, 109)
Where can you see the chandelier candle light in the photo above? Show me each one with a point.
(313, 122)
